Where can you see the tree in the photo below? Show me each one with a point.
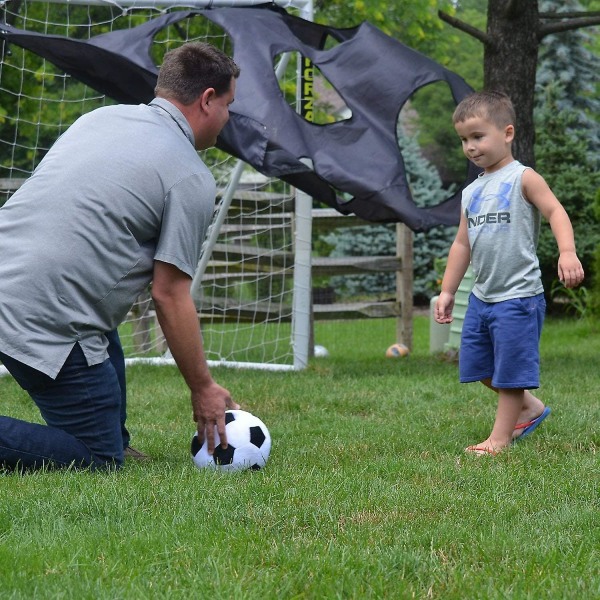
(513, 34)
(415, 24)
(568, 73)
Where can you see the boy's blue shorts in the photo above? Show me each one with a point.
(501, 341)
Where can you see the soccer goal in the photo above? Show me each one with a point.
(252, 287)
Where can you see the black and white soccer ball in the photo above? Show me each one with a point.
(248, 444)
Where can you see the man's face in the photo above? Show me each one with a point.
(217, 114)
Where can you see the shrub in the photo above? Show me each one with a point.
(563, 160)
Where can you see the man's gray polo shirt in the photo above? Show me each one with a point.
(121, 188)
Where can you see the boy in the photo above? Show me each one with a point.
(498, 235)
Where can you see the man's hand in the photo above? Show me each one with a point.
(443, 308)
(209, 406)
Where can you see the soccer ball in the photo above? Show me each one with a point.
(397, 351)
(321, 352)
(248, 444)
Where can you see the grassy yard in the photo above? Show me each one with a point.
(367, 493)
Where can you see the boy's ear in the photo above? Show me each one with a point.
(509, 132)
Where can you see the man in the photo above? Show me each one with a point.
(122, 199)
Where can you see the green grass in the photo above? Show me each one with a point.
(367, 493)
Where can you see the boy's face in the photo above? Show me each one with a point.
(484, 144)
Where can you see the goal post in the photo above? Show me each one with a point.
(252, 287)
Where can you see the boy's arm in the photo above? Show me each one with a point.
(538, 192)
(459, 258)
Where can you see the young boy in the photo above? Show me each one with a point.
(498, 235)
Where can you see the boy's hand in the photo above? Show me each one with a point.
(570, 271)
(443, 308)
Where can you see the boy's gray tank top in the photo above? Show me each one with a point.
(503, 228)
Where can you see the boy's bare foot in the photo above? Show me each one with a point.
(481, 451)
(488, 447)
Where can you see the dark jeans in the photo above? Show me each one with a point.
(85, 412)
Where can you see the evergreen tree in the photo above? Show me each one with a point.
(564, 161)
(570, 67)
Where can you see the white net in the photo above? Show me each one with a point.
(244, 297)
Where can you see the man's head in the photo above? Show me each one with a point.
(191, 69)
(200, 80)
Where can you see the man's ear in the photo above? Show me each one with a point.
(207, 96)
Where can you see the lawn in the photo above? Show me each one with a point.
(367, 493)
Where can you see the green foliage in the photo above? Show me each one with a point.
(568, 130)
(564, 162)
(434, 104)
(39, 102)
(568, 65)
(594, 297)
(416, 24)
(576, 300)
(433, 107)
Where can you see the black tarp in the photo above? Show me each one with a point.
(359, 157)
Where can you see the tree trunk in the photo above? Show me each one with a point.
(510, 62)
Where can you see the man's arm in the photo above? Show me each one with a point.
(178, 319)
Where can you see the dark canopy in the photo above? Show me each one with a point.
(374, 74)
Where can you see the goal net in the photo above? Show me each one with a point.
(248, 289)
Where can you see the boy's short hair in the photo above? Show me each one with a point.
(189, 70)
(493, 106)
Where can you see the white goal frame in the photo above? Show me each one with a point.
(302, 219)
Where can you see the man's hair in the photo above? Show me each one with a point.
(189, 70)
(493, 106)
